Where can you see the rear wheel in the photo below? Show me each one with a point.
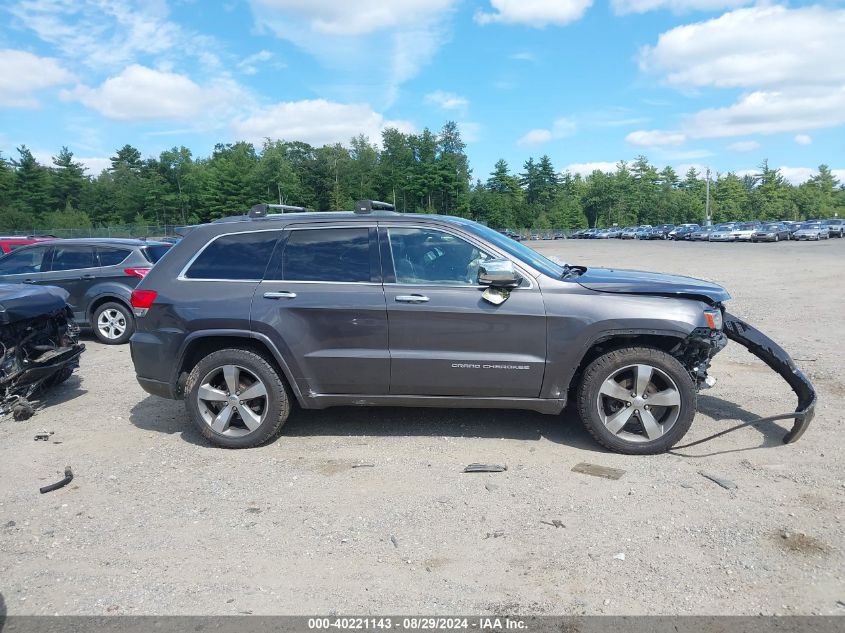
(113, 323)
(637, 400)
(236, 398)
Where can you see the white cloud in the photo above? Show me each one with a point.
(794, 175)
(94, 165)
(585, 169)
(758, 47)
(316, 121)
(803, 139)
(623, 7)
(655, 138)
(249, 64)
(470, 131)
(744, 146)
(111, 34)
(561, 128)
(770, 112)
(447, 100)
(536, 13)
(790, 62)
(139, 93)
(524, 56)
(535, 137)
(22, 74)
(377, 45)
(361, 17)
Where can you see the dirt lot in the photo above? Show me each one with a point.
(159, 522)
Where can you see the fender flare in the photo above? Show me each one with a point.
(247, 334)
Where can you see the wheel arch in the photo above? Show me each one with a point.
(665, 341)
(201, 344)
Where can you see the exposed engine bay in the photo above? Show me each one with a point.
(39, 346)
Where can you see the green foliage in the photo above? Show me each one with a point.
(425, 172)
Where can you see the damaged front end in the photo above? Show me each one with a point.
(696, 351)
(39, 344)
(776, 357)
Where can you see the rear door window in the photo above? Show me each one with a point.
(238, 257)
(20, 262)
(112, 256)
(73, 257)
(332, 254)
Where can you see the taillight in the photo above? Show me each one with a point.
(136, 272)
(142, 300)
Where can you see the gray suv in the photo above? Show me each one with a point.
(378, 308)
(98, 274)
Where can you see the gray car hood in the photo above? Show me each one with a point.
(638, 282)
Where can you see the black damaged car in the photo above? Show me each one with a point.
(39, 341)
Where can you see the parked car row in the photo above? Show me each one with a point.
(726, 232)
(98, 275)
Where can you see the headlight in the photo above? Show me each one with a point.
(714, 319)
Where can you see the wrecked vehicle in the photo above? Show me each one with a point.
(374, 307)
(38, 341)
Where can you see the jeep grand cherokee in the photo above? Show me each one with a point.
(380, 308)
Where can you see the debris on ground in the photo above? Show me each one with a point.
(43, 436)
(554, 523)
(22, 410)
(496, 534)
(490, 487)
(619, 556)
(485, 468)
(394, 540)
(59, 484)
(727, 484)
(363, 465)
(598, 471)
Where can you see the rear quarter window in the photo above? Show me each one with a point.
(112, 256)
(239, 257)
(155, 252)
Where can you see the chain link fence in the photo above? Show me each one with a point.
(129, 230)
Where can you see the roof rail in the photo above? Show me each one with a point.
(368, 206)
(260, 210)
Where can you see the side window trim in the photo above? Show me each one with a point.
(388, 269)
(277, 259)
(182, 276)
(52, 254)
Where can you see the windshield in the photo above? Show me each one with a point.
(519, 250)
(812, 225)
(747, 226)
(770, 227)
(724, 227)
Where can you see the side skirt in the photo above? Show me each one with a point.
(541, 405)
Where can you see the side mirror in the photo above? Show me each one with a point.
(499, 273)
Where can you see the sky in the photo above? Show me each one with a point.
(706, 83)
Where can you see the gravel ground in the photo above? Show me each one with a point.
(159, 522)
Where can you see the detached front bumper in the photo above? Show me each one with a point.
(775, 357)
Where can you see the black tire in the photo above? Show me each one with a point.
(609, 364)
(277, 401)
(125, 322)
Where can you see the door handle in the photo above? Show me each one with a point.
(87, 277)
(29, 281)
(281, 294)
(412, 298)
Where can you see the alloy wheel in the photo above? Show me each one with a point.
(232, 401)
(111, 323)
(639, 403)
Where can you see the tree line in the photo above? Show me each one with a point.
(426, 172)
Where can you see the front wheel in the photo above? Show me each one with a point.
(236, 398)
(637, 400)
(113, 323)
